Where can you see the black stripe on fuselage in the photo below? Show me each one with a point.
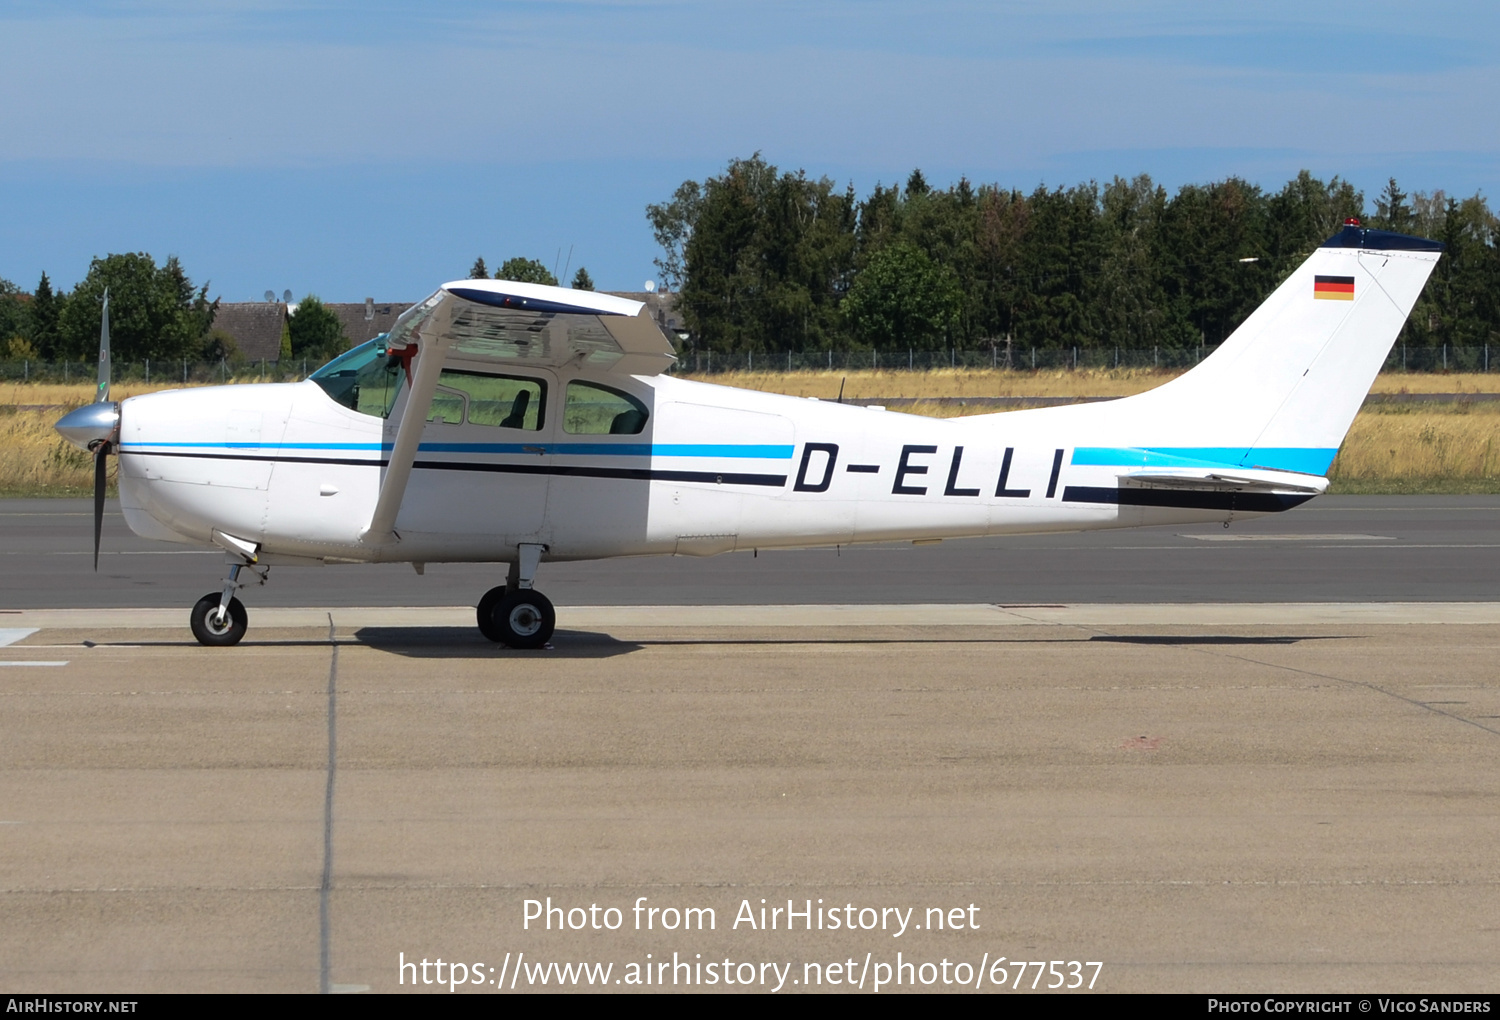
(569, 470)
(1187, 499)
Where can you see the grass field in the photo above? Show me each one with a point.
(1392, 448)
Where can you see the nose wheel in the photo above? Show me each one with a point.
(214, 623)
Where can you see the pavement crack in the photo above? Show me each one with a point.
(326, 887)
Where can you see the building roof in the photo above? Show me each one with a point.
(368, 319)
(255, 326)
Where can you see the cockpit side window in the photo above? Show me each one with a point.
(366, 379)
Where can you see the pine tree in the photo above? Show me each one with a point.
(582, 280)
(44, 319)
(479, 271)
(1391, 210)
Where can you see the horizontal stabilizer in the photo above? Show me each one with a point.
(1238, 480)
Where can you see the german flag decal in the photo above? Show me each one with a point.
(1333, 288)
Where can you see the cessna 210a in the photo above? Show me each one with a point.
(511, 423)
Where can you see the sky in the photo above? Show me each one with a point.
(374, 149)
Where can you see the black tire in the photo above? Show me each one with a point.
(485, 613)
(206, 628)
(525, 619)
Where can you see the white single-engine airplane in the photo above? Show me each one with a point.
(513, 423)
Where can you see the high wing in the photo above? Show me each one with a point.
(508, 323)
(537, 325)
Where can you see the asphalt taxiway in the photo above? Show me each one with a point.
(1338, 548)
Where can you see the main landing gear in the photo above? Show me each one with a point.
(516, 614)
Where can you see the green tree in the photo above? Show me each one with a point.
(46, 307)
(1391, 210)
(153, 312)
(14, 317)
(672, 226)
(523, 270)
(903, 299)
(315, 330)
(582, 280)
(479, 271)
(767, 261)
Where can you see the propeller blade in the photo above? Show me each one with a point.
(101, 479)
(104, 371)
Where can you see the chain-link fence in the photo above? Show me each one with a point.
(1021, 359)
(163, 372)
(1032, 359)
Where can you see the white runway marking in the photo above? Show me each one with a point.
(10, 635)
(53, 663)
(1290, 538)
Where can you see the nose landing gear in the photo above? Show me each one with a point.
(517, 615)
(219, 619)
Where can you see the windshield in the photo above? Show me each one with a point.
(365, 379)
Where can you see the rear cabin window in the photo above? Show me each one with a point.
(499, 401)
(593, 410)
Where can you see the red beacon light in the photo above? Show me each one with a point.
(1352, 221)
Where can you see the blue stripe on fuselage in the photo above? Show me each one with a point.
(1303, 460)
(766, 451)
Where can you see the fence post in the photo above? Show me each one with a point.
(909, 363)
(788, 361)
(1075, 359)
(148, 371)
(1033, 359)
(1403, 357)
(26, 366)
(1486, 357)
(1445, 358)
(710, 361)
(830, 359)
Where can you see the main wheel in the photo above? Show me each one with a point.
(485, 613)
(210, 630)
(524, 619)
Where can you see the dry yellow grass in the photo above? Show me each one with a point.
(35, 461)
(1391, 448)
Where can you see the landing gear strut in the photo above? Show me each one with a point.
(518, 615)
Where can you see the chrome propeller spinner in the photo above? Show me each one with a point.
(96, 428)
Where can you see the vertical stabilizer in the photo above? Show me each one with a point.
(1283, 390)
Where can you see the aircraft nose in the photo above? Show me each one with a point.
(89, 425)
